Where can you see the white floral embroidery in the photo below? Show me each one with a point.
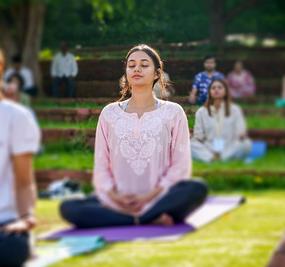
(138, 139)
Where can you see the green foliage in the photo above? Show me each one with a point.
(101, 22)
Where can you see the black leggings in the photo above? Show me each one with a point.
(14, 249)
(182, 198)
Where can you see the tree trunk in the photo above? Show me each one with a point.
(33, 40)
(217, 22)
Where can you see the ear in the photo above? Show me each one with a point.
(157, 74)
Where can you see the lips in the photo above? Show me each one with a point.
(137, 76)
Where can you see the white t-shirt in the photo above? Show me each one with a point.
(64, 65)
(19, 134)
(26, 75)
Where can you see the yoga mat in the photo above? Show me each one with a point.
(63, 249)
(213, 208)
(258, 150)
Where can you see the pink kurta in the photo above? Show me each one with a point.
(135, 155)
(241, 85)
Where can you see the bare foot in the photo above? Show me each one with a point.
(164, 219)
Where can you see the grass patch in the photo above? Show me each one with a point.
(262, 173)
(253, 122)
(87, 124)
(242, 238)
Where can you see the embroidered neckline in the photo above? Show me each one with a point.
(121, 106)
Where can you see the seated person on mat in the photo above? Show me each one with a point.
(19, 140)
(278, 257)
(220, 128)
(142, 156)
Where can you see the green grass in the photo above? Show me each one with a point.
(51, 104)
(253, 122)
(274, 160)
(78, 157)
(242, 238)
(266, 122)
(87, 124)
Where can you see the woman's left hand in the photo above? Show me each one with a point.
(20, 226)
(140, 201)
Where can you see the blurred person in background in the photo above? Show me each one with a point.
(169, 90)
(198, 94)
(26, 74)
(63, 71)
(220, 128)
(19, 140)
(241, 82)
(278, 257)
(13, 90)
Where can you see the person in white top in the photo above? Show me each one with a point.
(63, 70)
(19, 140)
(26, 74)
(220, 128)
(167, 92)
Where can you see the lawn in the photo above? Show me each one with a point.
(242, 238)
(65, 156)
(253, 122)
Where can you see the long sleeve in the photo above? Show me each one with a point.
(196, 81)
(53, 69)
(102, 177)
(199, 132)
(180, 167)
(74, 67)
(240, 122)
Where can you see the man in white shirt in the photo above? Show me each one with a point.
(26, 74)
(19, 140)
(63, 70)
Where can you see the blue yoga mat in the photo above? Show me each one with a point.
(258, 150)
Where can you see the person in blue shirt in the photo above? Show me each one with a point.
(198, 94)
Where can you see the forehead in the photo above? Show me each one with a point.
(217, 83)
(138, 56)
(210, 60)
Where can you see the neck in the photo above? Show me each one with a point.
(142, 97)
(210, 72)
(218, 103)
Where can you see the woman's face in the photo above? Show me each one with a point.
(238, 67)
(140, 70)
(217, 90)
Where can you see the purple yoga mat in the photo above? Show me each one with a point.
(126, 233)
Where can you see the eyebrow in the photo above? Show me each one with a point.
(144, 59)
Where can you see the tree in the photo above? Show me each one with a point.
(220, 16)
(21, 25)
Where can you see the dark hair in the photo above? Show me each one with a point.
(19, 78)
(17, 58)
(209, 57)
(158, 65)
(227, 98)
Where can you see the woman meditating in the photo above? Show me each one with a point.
(220, 128)
(142, 156)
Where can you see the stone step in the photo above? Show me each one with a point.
(97, 88)
(113, 69)
(259, 99)
(275, 138)
(81, 114)
(45, 177)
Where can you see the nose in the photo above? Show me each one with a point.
(137, 68)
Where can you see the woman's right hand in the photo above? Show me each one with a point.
(20, 226)
(127, 203)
